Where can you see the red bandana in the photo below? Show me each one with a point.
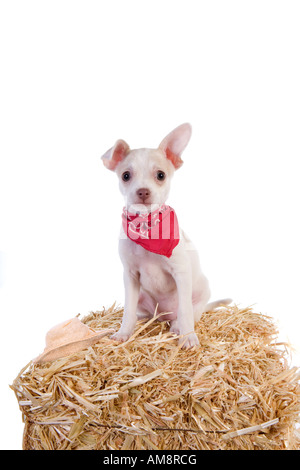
(157, 231)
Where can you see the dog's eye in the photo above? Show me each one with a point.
(126, 176)
(160, 175)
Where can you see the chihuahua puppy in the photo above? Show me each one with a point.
(162, 272)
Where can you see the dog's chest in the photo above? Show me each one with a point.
(153, 270)
(154, 279)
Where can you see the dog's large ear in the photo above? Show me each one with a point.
(174, 144)
(114, 155)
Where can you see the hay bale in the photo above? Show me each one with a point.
(236, 391)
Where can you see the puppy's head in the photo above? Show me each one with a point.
(145, 174)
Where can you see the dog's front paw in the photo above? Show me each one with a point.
(121, 336)
(174, 327)
(189, 341)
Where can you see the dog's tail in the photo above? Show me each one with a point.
(218, 303)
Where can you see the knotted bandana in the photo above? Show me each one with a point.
(156, 231)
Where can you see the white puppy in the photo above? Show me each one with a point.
(163, 273)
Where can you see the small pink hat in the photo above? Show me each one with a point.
(68, 338)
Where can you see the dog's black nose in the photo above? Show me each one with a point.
(143, 193)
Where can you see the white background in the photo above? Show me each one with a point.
(78, 75)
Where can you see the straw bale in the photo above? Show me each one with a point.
(236, 391)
